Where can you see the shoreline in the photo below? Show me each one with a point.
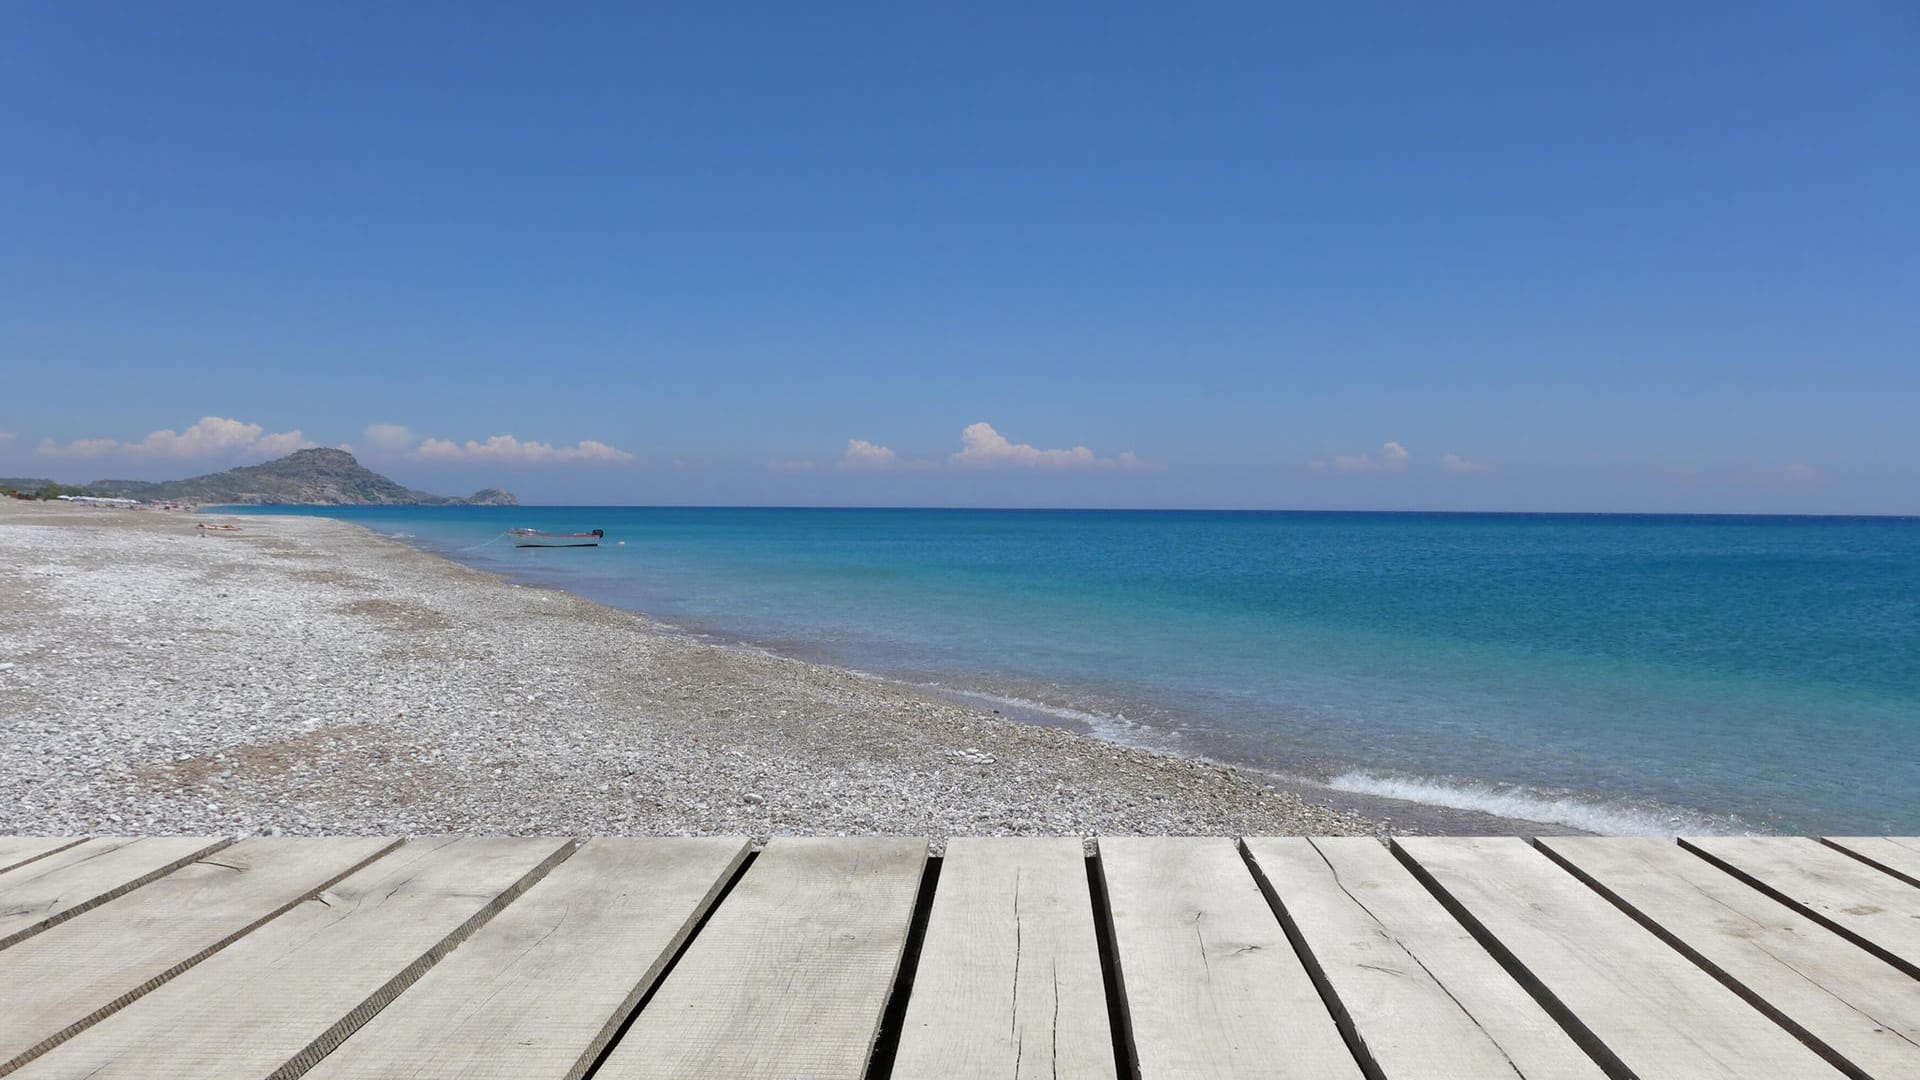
(1392, 814)
(306, 674)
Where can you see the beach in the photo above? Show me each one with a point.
(304, 675)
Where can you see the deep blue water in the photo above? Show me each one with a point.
(1620, 673)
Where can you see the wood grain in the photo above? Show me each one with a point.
(1863, 1012)
(56, 984)
(1897, 855)
(790, 977)
(1418, 992)
(540, 990)
(1874, 909)
(19, 850)
(1212, 985)
(1641, 1006)
(276, 1001)
(1009, 981)
(57, 887)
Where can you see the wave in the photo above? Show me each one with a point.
(1609, 817)
(1113, 727)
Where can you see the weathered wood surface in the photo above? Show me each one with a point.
(56, 887)
(1897, 855)
(1213, 987)
(1413, 986)
(1009, 981)
(540, 990)
(1862, 1011)
(789, 979)
(55, 984)
(276, 1001)
(1633, 998)
(19, 850)
(1447, 959)
(1875, 909)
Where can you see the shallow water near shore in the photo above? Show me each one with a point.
(1613, 673)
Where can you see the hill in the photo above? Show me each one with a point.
(318, 477)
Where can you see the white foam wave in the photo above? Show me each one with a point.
(1607, 817)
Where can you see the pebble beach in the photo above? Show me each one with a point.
(304, 675)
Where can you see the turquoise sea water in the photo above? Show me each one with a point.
(1618, 673)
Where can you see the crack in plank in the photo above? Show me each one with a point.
(1408, 953)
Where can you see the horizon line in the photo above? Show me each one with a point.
(1075, 510)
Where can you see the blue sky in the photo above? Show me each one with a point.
(1611, 257)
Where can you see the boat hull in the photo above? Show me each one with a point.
(536, 538)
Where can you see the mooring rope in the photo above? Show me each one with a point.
(477, 547)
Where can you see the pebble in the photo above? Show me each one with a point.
(340, 682)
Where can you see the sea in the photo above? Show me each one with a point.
(1614, 673)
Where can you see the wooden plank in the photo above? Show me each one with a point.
(789, 978)
(1637, 1005)
(1874, 910)
(539, 991)
(59, 982)
(1897, 855)
(50, 890)
(276, 1001)
(1213, 988)
(19, 850)
(1009, 981)
(1858, 1010)
(1417, 991)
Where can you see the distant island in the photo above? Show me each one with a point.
(318, 477)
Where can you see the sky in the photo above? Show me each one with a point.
(1488, 256)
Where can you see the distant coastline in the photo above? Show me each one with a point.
(312, 477)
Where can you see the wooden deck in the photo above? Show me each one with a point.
(167, 958)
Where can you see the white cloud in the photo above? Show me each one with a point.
(1454, 463)
(791, 465)
(388, 440)
(216, 436)
(78, 449)
(1800, 473)
(389, 437)
(983, 447)
(862, 454)
(213, 436)
(6, 436)
(506, 449)
(1393, 458)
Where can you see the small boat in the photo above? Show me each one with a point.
(536, 538)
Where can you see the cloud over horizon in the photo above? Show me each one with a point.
(391, 438)
(211, 437)
(506, 449)
(389, 441)
(1393, 458)
(1455, 463)
(862, 454)
(216, 438)
(981, 447)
